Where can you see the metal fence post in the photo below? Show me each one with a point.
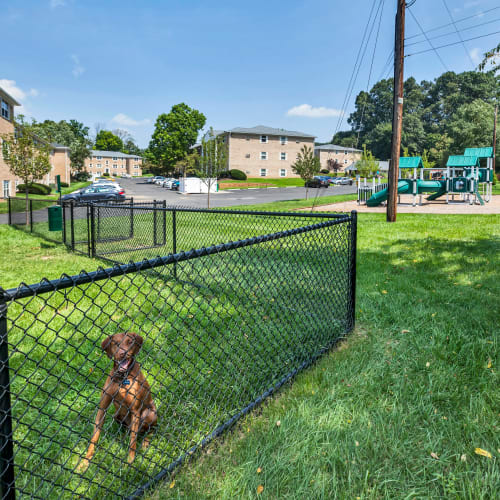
(31, 216)
(174, 238)
(131, 217)
(72, 219)
(63, 207)
(10, 211)
(164, 206)
(92, 231)
(6, 445)
(155, 224)
(354, 227)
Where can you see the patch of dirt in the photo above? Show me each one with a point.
(226, 185)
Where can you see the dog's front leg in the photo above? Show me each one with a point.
(99, 420)
(134, 431)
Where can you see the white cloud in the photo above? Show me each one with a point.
(476, 55)
(57, 3)
(310, 112)
(126, 121)
(78, 69)
(16, 92)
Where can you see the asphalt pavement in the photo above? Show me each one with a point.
(141, 191)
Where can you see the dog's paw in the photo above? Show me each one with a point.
(131, 458)
(145, 443)
(83, 465)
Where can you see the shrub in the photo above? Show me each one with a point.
(324, 171)
(64, 185)
(238, 175)
(105, 174)
(34, 188)
(80, 176)
(225, 175)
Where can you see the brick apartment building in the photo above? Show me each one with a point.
(113, 163)
(263, 151)
(341, 156)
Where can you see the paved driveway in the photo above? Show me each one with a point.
(227, 198)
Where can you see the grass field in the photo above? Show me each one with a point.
(397, 412)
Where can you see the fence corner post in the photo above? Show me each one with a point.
(92, 230)
(10, 211)
(352, 267)
(7, 483)
(31, 216)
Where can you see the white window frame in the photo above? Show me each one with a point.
(263, 155)
(98, 157)
(263, 172)
(264, 139)
(282, 172)
(115, 158)
(115, 165)
(345, 161)
(281, 156)
(98, 165)
(283, 140)
(90, 165)
(5, 110)
(6, 188)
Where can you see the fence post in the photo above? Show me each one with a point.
(63, 208)
(92, 230)
(6, 445)
(131, 218)
(31, 216)
(164, 206)
(155, 224)
(174, 238)
(354, 228)
(10, 212)
(72, 219)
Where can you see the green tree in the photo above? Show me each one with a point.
(379, 140)
(425, 160)
(368, 165)
(26, 155)
(175, 132)
(306, 166)
(105, 140)
(188, 165)
(213, 159)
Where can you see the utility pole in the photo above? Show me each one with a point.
(397, 113)
(495, 137)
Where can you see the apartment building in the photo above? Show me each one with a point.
(113, 163)
(7, 179)
(337, 158)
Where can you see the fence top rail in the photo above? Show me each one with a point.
(23, 199)
(171, 208)
(66, 281)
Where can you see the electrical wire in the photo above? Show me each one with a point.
(459, 35)
(386, 65)
(430, 43)
(454, 43)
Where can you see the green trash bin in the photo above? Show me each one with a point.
(55, 218)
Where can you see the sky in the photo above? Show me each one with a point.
(121, 63)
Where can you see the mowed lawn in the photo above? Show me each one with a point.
(399, 409)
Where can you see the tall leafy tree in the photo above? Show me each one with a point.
(26, 155)
(306, 166)
(368, 165)
(175, 132)
(105, 140)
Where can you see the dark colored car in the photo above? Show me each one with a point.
(93, 193)
(175, 185)
(317, 182)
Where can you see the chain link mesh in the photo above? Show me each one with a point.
(223, 327)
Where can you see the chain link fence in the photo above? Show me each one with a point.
(233, 323)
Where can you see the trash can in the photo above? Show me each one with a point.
(55, 218)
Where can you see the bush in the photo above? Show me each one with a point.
(80, 176)
(64, 185)
(324, 171)
(105, 174)
(34, 188)
(225, 175)
(238, 175)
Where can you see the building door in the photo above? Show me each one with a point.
(6, 189)
(106, 170)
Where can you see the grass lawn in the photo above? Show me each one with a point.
(260, 182)
(396, 412)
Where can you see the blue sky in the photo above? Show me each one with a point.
(120, 63)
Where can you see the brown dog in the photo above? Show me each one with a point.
(127, 388)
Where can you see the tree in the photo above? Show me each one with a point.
(175, 132)
(368, 165)
(213, 159)
(26, 155)
(187, 166)
(307, 165)
(107, 141)
(333, 165)
(425, 160)
(131, 148)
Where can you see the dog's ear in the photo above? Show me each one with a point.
(138, 340)
(106, 346)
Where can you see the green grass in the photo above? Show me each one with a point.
(419, 375)
(265, 181)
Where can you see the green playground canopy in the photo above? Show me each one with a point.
(410, 162)
(462, 161)
(479, 152)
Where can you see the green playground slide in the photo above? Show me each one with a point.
(405, 187)
(381, 196)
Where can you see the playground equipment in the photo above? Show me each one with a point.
(463, 176)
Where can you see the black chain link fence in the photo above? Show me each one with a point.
(233, 323)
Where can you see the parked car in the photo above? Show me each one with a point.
(175, 185)
(317, 182)
(346, 181)
(106, 183)
(158, 179)
(95, 193)
(166, 182)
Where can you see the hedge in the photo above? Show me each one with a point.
(34, 188)
(238, 175)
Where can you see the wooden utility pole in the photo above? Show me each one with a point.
(495, 137)
(397, 113)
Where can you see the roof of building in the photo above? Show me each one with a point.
(410, 162)
(462, 161)
(8, 96)
(58, 146)
(115, 154)
(334, 147)
(479, 152)
(263, 130)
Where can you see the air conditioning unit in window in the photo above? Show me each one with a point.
(247, 155)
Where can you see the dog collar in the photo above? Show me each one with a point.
(125, 381)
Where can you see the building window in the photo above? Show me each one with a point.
(98, 165)
(263, 155)
(263, 172)
(282, 172)
(283, 140)
(136, 166)
(138, 159)
(283, 156)
(345, 152)
(90, 165)
(115, 158)
(6, 188)
(345, 161)
(106, 162)
(5, 110)
(98, 157)
(115, 165)
(263, 139)
(247, 155)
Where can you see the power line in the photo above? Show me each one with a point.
(452, 32)
(454, 43)
(479, 14)
(430, 43)
(459, 35)
(387, 64)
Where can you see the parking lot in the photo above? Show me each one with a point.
(140, 190)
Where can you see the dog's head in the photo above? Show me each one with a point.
(121, 348)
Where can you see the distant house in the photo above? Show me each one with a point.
(113, 163)
(263, 151)
(336, 158)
